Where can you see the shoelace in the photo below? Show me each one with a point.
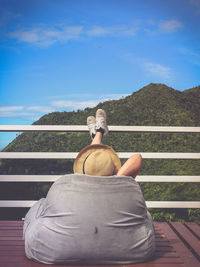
(100, 121)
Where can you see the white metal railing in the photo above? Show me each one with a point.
(72, 155)
(83, 128)
(139, 178)
(150, 204)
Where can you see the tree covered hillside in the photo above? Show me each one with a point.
(153, 105)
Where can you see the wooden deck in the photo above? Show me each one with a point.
(177, 245)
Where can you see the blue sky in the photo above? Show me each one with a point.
(61, 55)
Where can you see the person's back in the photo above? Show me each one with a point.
(96, 215)
(91, 220)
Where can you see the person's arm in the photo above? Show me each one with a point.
(131, 167)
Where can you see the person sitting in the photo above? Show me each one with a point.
(98, 128)
(97, 215)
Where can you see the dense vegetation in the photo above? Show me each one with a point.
(155, 104)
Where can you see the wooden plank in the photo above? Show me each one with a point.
(11, 223)
(2, 238)
(7, 258)
(27, 263)
(191, 240)
(11, 227)
(10, 232)
(11, 247)
(153, 265)
(166, 256)
(168, 248)
(12, 252)
(19, 261)
(159, 238)
(15, 258)
(194, 227)
(11, 243)
(163, 257)
(185, 254)
(163, 243)
(162, 260)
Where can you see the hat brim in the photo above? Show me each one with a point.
(80, 159)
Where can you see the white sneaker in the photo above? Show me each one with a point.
(91, 123)
(101, 121)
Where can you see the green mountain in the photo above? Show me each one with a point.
(155, 104)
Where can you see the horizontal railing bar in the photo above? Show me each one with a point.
(169, 179)
(38, 155)
(43, 128)
(73, 155)
(29, 178)
(150, 204)
(17, 203)
(161, 155)
(83, 128)
(173, 204)
(139, 178)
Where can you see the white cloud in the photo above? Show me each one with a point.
(11, 111)
(74, 104)
(157, 70)
(151, 21)
(116, 30)
(151, 69)
(170, 26)
(40, 109)
(90, 96)
(23, 111)
(11, 108)
(113, 96)
(48, 35)
(45, 37)
(81, 104)
(98, 30)
(15, 114)
(77, 101)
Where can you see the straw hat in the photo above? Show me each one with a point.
(98, 160)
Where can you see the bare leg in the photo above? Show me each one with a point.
(97, 139)
(131, 167)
